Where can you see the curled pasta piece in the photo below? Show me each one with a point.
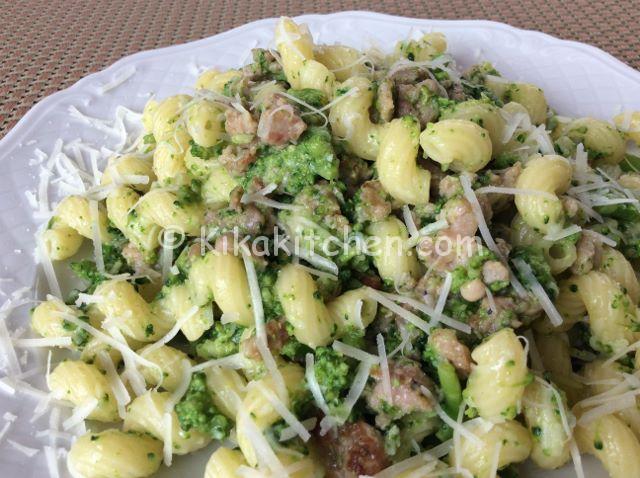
(555, 354)
(125, 309)
(531, 97)
(352, 310)
(600, 139)
(162, 207)
(170, 360)
(295, 45)
(496, 385)
(303, 306)
(129, 170)
(215, 80)
(610, 440)
(545, 174)
(458, 144)
(71, 222)
(168, 158)
(256, 406)
(148, 114)
(166, 114)
(221, 276)
(47, 318)
(550, 441)
(615, 265)
(205, 122)
(425, 48)
(175, 303)
(344, 61)
(79, 382)
(145, 414)
(396, 162)
(350, 119)
(114, 453)
(629, 124)
(138, 229)
(218, 185)
(482, 113)
(224, 463)
(509, 440)
(612, 314)
(395, 260)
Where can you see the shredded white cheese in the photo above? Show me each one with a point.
(354, 352)
(80, 414)
(284, 412)
(384, 369)
(539, 292)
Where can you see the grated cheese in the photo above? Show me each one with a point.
(265, 454)
(561, 234)
(117, 386)
(120, 77)
(427, 231)
(384, 368)
(284, 412)
(539, 292)
(314, 386)
(174, 330)
(25, 450)
(234, 361)
(444, 294)
(495, 460)
(405, 314)
(258, 315)
(289, 432)
(80, 413)
(43, 342)
(602, 238)
(513, 191)
(455, 426)
(167, 438)
(47, 267)
(409, 222)
(52, 461)
(355, 353)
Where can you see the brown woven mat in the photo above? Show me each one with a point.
(48, 45)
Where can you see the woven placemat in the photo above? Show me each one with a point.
(48, 45)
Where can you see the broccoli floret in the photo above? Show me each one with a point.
(534, 256)
(196, 410)
(189, 193)
(333, 373)
(630, 164)
(270, 302)
(205, 152)
(297, 165)
(80, 336)
(87, 270)
(311, 96)
(220, 340)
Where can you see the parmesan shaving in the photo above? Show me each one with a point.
(119, 78)
(289, 432)
(174, 330)
(513, 191)
(409, 222)
(95, 233)
(284, 412)
(230, 361)
(455, 426)
(539, 292)
(80, 414)
(117, 386)
(405, 314)
(265, 454)
(43, 342)
(384, 369)
(25, 450)
(561, 234)
(444, 294)
(52, 461)
(354, 352)
(600, 237)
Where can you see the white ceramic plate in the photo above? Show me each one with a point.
(579, 80)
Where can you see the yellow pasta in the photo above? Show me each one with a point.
(546, 176)
(146, 413)
(350, 119)
(352, 310)
(205, 122)
(531, 97)
(113, 453)
(396, 162)
(629, 124)
(615, 265)
(509, 440)
(600, 139)
(229, 388)
(482, 113)
(79, 383)
(458, 144)
(496, 385)
(224, 463)
(303, 307)
(342, 60)
(170, 360)
(120, 170)
(163, 208)
(426, 48)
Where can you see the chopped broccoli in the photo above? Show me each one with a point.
(270, 303)
(534, 256)
(311, 96)
(196, 410)
(219, 341)
(333, 373)
(80, 336)
(630, 164)
(149, 139)
(472, 270)
(296, 165)
(189, 193)
(205, 152)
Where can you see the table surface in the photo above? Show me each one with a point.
(48, 45)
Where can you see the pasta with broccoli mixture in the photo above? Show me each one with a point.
(343, 263)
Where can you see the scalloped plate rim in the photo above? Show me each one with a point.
(21, 128)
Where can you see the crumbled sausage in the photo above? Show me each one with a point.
(445, 342)
(280, 124)
(239, 122)
(375, 204)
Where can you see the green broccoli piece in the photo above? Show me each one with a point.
(297, 165)
(534, 256)
(270, 302)
(196, 410)
(630, 164)
(205, 152)
(473, 270)
(219, 341)
(189, 193)
(80, 336)
(334, 375)
(311, 96)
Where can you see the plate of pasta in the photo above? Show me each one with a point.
(346, 245)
